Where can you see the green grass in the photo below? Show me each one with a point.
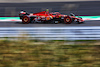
(49, 53)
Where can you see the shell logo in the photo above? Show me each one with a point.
(48, 18)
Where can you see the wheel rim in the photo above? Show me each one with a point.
(67, 19)
(25, 20)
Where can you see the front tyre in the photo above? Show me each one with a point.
(67, 20)
(26, 20)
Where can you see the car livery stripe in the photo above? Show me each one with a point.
(18, 19)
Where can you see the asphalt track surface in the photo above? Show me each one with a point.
(19, 24)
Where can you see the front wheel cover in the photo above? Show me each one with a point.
(26, 20)
(68, 20)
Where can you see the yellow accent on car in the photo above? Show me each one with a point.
(59, 16)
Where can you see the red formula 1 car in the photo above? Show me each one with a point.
(45, 16)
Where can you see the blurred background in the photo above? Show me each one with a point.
(79, 7)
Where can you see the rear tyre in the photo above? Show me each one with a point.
(26, 20)
(68, 20)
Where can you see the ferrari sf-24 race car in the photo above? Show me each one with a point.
(46, 16)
